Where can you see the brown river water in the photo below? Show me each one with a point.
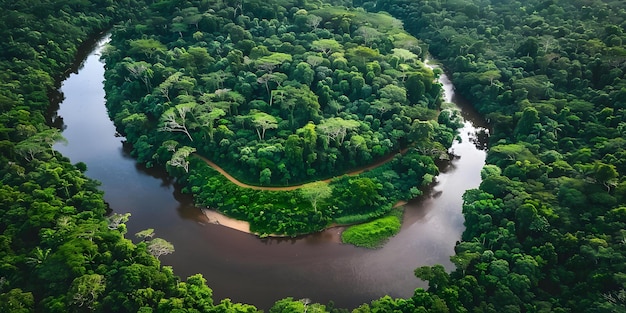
(257, 271)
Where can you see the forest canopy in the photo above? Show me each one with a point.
(543, 232)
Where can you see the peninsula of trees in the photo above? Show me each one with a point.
(278, 94)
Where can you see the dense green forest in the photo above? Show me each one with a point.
(545, 230)
(59, 252)
(279, 96)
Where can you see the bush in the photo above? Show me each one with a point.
(375, 233)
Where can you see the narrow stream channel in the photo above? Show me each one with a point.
(242, 267)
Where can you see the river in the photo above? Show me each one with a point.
(257, 271)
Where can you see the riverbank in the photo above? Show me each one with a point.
(218, 218)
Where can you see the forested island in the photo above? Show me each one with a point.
(545, 230)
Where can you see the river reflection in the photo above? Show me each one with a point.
(241, 266)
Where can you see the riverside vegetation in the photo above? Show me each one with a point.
(545, 231)
(278, 94)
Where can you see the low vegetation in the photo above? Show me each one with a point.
(375, 233)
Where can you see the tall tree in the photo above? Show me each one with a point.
(336, 128)
(158, 247)
(175, 119)
(262, 122)
(314, 192)
(180, 158)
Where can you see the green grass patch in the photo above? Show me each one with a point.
(353, 219)
(375, 233)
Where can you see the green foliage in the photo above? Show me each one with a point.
(59, 252)
(544, 233)
(282, 100)
(547, 78)
(375, 233)
(241, 78)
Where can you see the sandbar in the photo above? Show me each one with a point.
(218, 218)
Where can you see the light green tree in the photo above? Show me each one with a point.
(336, 128)
(86, 289)
(314, 192)
(175, 119)
(158, 247)
(262, 122)
(180, 158)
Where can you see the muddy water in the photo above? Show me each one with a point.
(242, 267)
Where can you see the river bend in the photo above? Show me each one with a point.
(257, 271)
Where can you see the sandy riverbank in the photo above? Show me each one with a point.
(218, 218)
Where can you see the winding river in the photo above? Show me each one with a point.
(257, 271)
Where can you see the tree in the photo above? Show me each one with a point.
(394, 93)
(304, 73)
(269, 62)
(361, 55)
(530, 47)
(39, 256)
(265, 176)
(236, 32)
(326, 46)
(224, 99)
(314, 60)
(195, 59)
(192, 16)
(287, 305)
(526, 124)
(404, 55)
(17, 301)
(265, 79)
(300, 98)
(148, 47)
(294, 151)
(262, 122)
(116, 220)
(180, 158)
(491, 75)
(606, 174)
(167, 85)
(436, 276)
(336, 128)
(207, 120)
(143, 71)
(309, 141)
(158, 247)
(86, 289)
(175, 119)
(369, 34)
(178, 26)
(315, 192)
(415, 87)
(313, 21)
(39, 143)
(145, 234)
(421, 132)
